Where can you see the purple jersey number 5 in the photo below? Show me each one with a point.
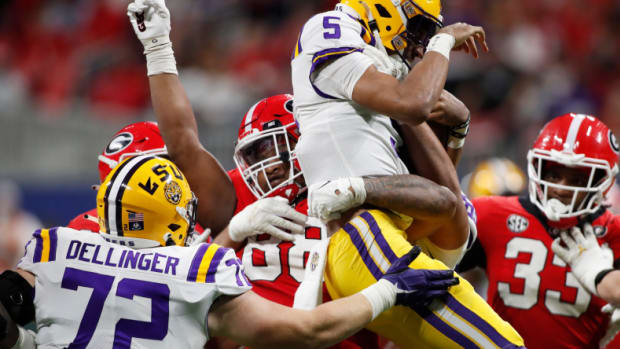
(127, 288)
(332, 28)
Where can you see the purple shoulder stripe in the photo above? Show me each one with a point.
(321, 57)
(215, 262)
(193, 268)
(38, 249)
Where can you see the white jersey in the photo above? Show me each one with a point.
(91, 293)
(339, 138)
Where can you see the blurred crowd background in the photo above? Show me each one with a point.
(72, 74)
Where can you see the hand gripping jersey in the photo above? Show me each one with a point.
(275, 267)
(339, 138)
(529, 285)
(91, 293)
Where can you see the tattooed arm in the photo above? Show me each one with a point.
(412, 195)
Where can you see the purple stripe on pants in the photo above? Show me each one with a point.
(363, 251)
(445, 328)
(379, 238)
(478, 322)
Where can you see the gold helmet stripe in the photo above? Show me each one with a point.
(115, 191)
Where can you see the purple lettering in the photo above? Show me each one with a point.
(172, 263)
(144, 263)
(155, 261)
(74, 247)
(84, 251)
(132, 256)
(109, 257)
(95, 254)
(122, 259)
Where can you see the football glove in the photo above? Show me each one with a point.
(271, 216)
(150, 20)
(584, 255)
(327, 200)
(614, 325)
(409, 287)
(418, 287)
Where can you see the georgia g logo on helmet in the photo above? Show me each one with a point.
(120, 142)
(613, 142)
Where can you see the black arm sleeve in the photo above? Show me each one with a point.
(475, 257)
(17, 296)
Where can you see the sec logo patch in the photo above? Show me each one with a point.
(517, 223)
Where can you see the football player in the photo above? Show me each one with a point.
(571, 167)
(151, 24)
(147, 212)
(350, 82)
(133, 139)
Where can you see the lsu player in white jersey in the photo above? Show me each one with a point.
(346, 90)
(135, 285)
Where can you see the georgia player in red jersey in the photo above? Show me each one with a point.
(571, 167)
(134, 139)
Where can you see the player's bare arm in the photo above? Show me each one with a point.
(251, 320)
(412, 100)
(176, 118)
(204, 172)
(449, 107)
(415, 196)
(431, 161)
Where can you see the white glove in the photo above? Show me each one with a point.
(267, 216)
(385, 63)
(150, 20)
(584, 255)
(614, 325)
(329, 199)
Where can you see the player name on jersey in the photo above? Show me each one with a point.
(126, 259)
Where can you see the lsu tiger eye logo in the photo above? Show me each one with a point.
(172, 192)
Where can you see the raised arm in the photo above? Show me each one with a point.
(209, 181)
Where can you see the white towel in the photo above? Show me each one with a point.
(310, 292)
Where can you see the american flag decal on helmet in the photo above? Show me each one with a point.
(136, 221)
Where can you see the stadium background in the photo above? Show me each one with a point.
(72, 74)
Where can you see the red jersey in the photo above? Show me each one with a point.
(276, 268)
(531, 287)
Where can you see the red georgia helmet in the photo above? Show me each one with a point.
(573, 140)
(269, 123)
(134, 139)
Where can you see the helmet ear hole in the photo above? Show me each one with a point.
(383, 12)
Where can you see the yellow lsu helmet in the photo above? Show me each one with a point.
(399, 22)
(496, 176)
(145, 201)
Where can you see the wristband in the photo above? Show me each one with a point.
(381, 296)
(441, 43)
(457, 134)
(599, 277)
(159, 56)
(25, 339)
